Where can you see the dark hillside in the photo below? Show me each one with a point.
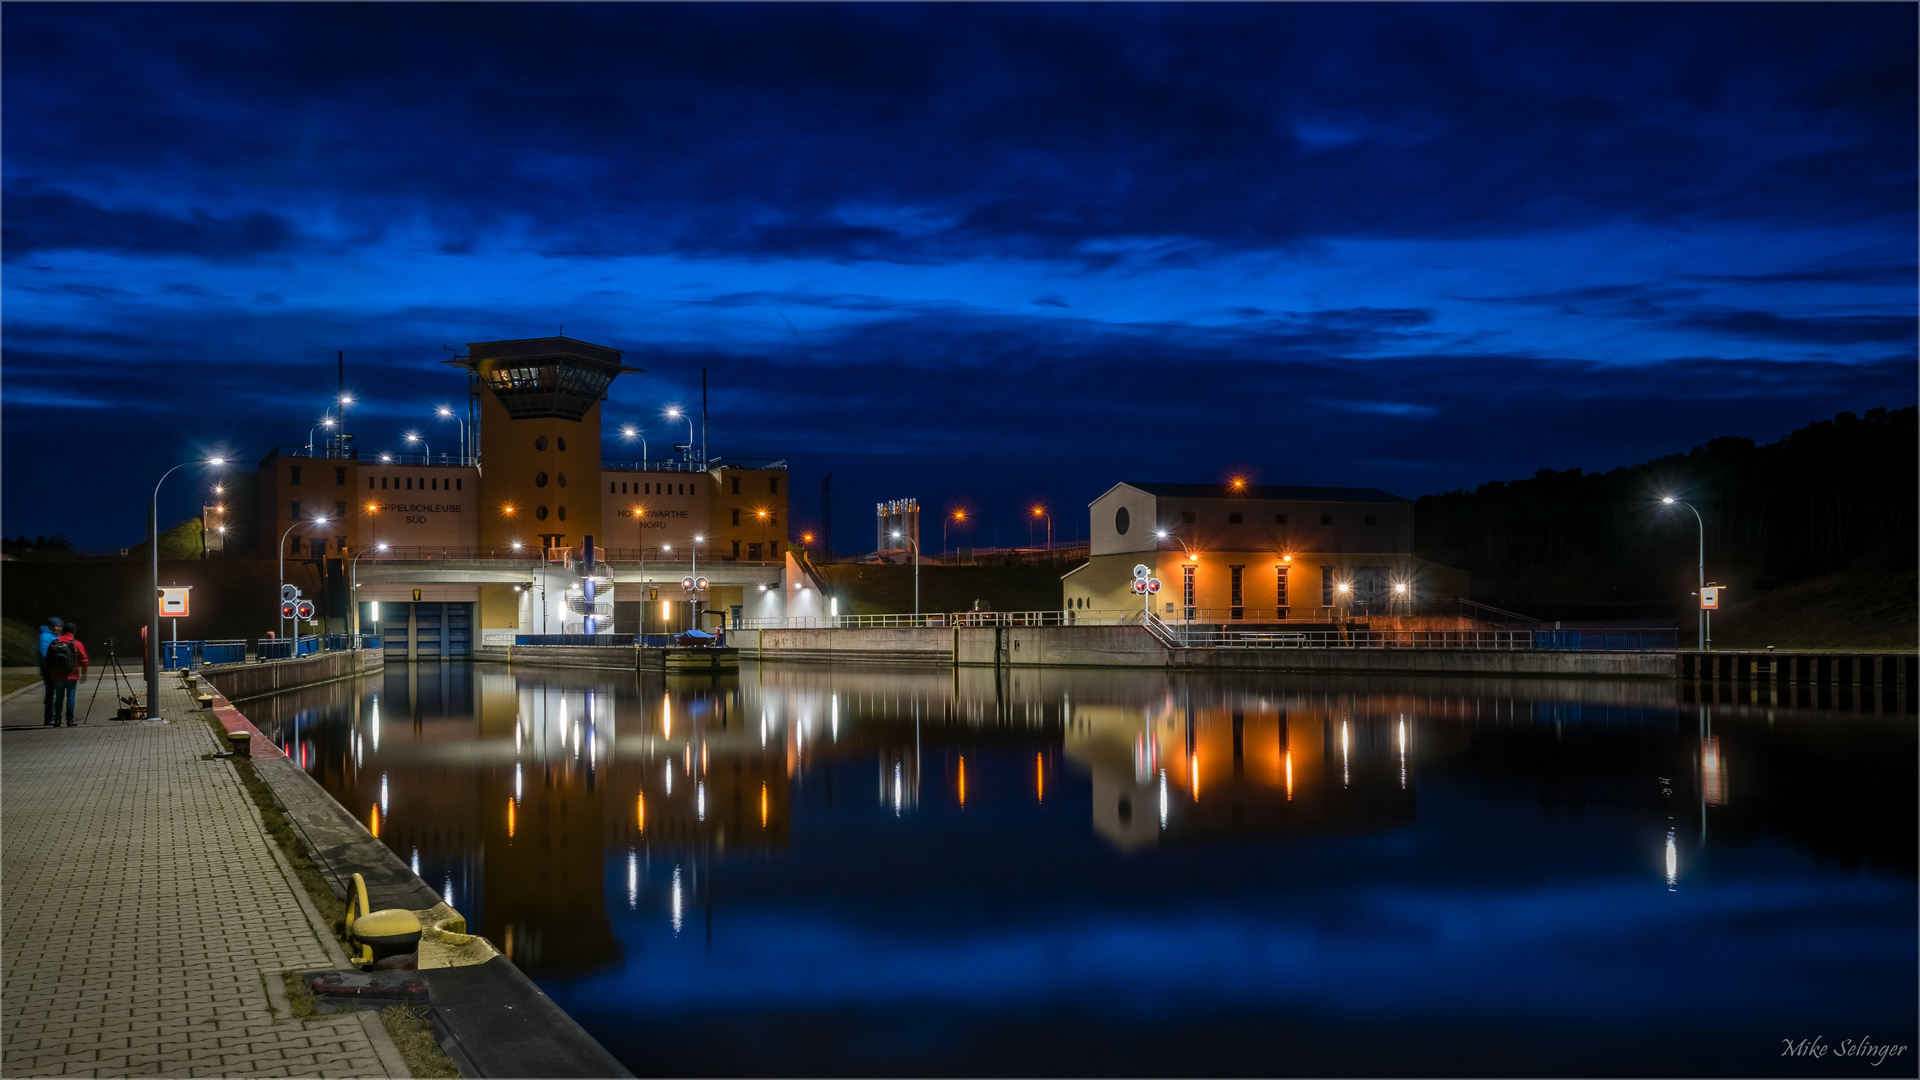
(1599, 545)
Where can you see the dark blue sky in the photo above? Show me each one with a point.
(985, 254)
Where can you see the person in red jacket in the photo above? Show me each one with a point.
(66, 666)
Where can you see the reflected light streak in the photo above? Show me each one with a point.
(446, 891)
(763, 805)
(1289, 776)
(676, 900)
(640, 812)
(896, 789)
(1403, 752)
(415, 864)
(519, 783)
(1673, 862)
(836, 718)
(373, 818)
(1346, 759)
(376, 725)
(1163, 798)
(666, 716)
(700, 803)
(633, 881)
(669, 777)
(703, 759)
(963, 782)
(1039, 778)
(1193, 767)
(509, 819)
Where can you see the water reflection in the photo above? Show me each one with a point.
(719, 851)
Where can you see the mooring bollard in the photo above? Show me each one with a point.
(240, 741)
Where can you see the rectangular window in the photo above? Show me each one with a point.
(369, 483)
(753, 552)
(340, 544)
(383, 483)
(459, 485)
(436, 483)
(736, 517)
(1326, 519)
(1280, 594)
(774, 520)
(1186, 517)
(1279, 519)
(1186, 589)
(773, 549)
(409, 483)
(1237, 587)
(293, 546)
(294, 477)
(736, 485)
(339, 477)
(736, 549)
(1326, 586)
(773, 484)
(1370, 520)
(649, 489)
(294, 511)
(1233, 519)
(319, 546)
(340, 511)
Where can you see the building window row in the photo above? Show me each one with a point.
(426, 484)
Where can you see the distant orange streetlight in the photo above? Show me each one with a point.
(957, 515)
(1239, 483)
(1041, 512)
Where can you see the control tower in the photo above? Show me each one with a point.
(540, 438)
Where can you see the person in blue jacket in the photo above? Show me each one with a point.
(52, 629)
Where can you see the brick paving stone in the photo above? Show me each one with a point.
(127, 858)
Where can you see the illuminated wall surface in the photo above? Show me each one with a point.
(801, 868)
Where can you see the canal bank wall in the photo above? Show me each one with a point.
(238, 682)
(1135, 647)
(490, 1018)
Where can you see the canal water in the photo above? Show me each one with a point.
(822, 870)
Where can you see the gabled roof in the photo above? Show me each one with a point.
(1267, 491)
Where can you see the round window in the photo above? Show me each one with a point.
(540, 443)
(563, 476)
(539, 479)
(563, 513)
(540, 513)
(562, 441)
(1121, 521)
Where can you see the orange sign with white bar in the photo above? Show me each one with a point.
(173, 600)
(1710, 598)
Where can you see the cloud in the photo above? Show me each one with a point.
(1050, 300)
(40, 218)
(1826, 330)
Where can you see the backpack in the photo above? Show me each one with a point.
(62, 658)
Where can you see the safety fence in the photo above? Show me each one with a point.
(176, 655)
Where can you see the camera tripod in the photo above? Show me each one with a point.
(120, 676)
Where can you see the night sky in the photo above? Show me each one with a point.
(979, 255)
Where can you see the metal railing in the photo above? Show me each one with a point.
(555, 557)
(682, 466)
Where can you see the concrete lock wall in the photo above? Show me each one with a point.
(1133, 646)
(241, 681)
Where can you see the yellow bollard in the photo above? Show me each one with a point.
(241, 741)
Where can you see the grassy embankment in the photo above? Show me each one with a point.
(1867, 606)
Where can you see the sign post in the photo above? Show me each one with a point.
(1709, 603)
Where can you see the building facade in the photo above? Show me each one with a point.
(1239, 552)
(537, 488)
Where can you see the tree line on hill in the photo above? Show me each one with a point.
(1827, 496)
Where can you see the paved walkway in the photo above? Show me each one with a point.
(148, 916)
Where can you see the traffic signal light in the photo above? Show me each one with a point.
(303, 610)
(289, 593)
(286, 609)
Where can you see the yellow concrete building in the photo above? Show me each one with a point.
(1239, 552)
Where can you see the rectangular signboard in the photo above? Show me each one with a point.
(1710, 597)
(173, 600)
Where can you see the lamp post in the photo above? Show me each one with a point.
(448, 414)
(353, 583)
(640, 540)
(415, 437)
(151, 660)
(696, 560)
(345, 400)
(959, 516)
(674, 413)
(1041, 512)
(325, 422)
(1186, 602)
(631, 432)
(283, 565)
(897, 535)
(1669, 500)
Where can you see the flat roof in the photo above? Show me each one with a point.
(1266, 491)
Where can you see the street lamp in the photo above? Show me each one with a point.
(674, 412)
(152, 658)
(916, 568)
(639, 523)
(959, 516)
(325, 422)
(1669, 501)
(345, 400)
(448, 414)
(1041, 512)
(283, 565)
(631, 432)
(415, 437)
(353, 580)
(1186, 601)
